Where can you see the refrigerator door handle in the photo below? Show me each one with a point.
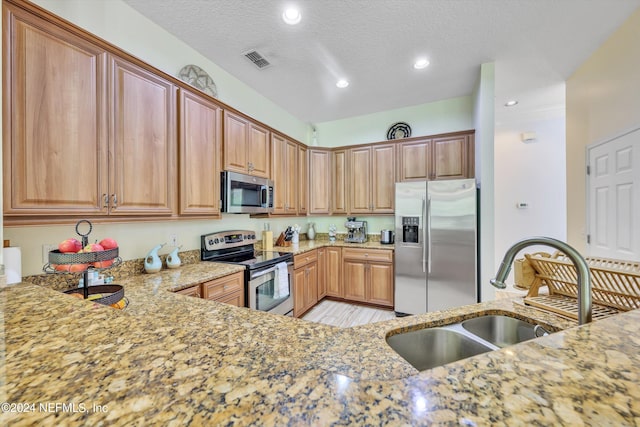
(424, 236)
(428, 227)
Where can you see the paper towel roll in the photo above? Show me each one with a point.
(12, 258)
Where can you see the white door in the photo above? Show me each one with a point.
(614, 198)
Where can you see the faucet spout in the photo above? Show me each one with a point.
(584, 279)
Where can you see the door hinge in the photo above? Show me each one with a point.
(588, 239)
(588, 169)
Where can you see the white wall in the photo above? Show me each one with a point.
(449, 115)
(602, 103)
(483, 119)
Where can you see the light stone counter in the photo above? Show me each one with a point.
(170, 359)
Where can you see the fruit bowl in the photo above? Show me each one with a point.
(103, 294)
(60, 262)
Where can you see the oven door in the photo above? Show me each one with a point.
(266, 293)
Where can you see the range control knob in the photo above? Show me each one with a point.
(217, 241)
(253, 236)
(211, 241)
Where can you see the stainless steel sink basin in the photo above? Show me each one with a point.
(501, 331)
(428, 348)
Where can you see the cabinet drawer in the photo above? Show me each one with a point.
(236, 298)
(378, 255)
(192, 291)
(303, 259)
(218, 288)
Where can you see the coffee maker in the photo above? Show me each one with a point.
(356, 230)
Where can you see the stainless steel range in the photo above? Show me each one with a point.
(267, 278)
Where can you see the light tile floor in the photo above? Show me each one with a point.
(345, 315)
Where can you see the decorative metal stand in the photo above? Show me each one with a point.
(94, 261)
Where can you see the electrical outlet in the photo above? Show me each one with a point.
(173, 240)
(46, 248)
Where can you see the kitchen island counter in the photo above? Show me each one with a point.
(173, 359)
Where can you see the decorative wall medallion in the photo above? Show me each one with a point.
(199, 79)
(399, 130)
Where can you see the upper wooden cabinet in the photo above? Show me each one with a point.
(246, 146)
(55, 127)
(319, 181)
(339, 182)
(437, 158)
(87, 132)
(143, 140)
(284, 166)
(200, 161)
(372, 179)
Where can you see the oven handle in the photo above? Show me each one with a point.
(267, 271)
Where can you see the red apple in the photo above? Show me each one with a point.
(103, 264)
(93, 247)
(108, 243)
(61, 267)
(69, 246)
(78, 267)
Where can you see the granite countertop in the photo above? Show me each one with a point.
(170, 359)
(309, 245)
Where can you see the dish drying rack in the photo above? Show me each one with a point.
(615, 285)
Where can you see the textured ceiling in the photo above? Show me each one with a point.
(373, 43)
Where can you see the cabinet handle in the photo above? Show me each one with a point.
(366, 255)
(105, 201)
(115, 200)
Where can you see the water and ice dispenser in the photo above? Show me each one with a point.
(410, 227)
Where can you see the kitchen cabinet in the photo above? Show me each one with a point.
(339, 182)
(143, 137)
(453, 157)
(319, 182)
(305, 282)
(322, 273)
(372, 179)
(200, 161)
(285, 178)
(437, 158)
(334, 283)
(303, 180)
(55, 119)
(245, 146)
(191, 291)
(368, 276)
(228, 289)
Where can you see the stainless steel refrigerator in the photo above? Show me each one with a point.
(435, 245)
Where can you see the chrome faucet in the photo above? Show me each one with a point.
(584, 279)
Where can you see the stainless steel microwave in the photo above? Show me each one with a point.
(245, 193)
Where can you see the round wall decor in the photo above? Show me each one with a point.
(399, 130)
(199, 79)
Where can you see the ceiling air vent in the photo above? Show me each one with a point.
(257, 59)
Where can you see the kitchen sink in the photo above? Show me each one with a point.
(501, 331)
(428, 348)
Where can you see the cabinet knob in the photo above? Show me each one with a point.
(366, 255)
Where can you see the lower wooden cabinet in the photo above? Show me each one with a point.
(333, 271)
(191, 291)
(305, 282)
(368, 276)
(322, 273)
(228, 289)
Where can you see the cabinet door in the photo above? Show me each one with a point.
(55, 138)
(450, 157)
(334, 273)
(143, 114)
(312, 285)
(278, 173)
(303, 180)
(383, 178)
(355, 280)
(292, 178)
(200, 134)
(236, 135)
(322, 273)
(319, 182)
(192, 291)
(339, 182)
(415, 160)
(360, 180)
(258, 151)
(380, 289)
(235, 298)
(299, 287)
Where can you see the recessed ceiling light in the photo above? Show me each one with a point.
(292, 16)
(511, 103)
(342, 83)
(421, 63)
